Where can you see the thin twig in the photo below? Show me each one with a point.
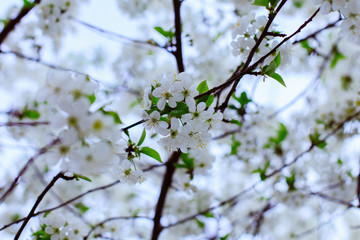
(14, 124)
(29, 162)
(64, 203)
(39, 199)
(10, 26)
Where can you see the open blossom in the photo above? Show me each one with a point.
(175, 139)
(126, 173)
(186, 90)
(153, 122)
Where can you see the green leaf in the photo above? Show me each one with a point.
(339, 162)
(188, 162)
(234, 121)
(82, 207)
(15, 217)
(234, 145)
(41, 234)
(91, 98)
(316, 141)
(168, 34)
(225, 237)
(298, 4)
(113, 114)
(269, 69)
(282, 133)
(77, 177)
(28, 4)
(290, 181)
(32, 114)
(277, 60)
(142, 138)
(278, 78)
(200, 223)
(262, 172)
(209, 215)
(264, 3)
(151, 153)
(209, 101)
(203, 87)
(337, 56)
(243, 99)
(180, 110)
(305, 44)
(346, 82)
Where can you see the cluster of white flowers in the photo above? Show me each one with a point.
(54, 16)
(350, 9)
(245, 34)
(61, 227)
(170, 99)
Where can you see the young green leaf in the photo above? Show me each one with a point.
(264, 3)
(32, 114)
(278, 78)
(77, 177)
(151, 153)
(142, 138)
(203, 87)
(82, 207)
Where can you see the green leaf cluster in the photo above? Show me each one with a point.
(187, 163)
(151, 153)
(290, 181)
(269, 70)
(275, 142)
(269, 4)
(337, 55)
(203, 88)
(234, 145)
(113, 114)
(41, 234)
(170, 34)
(316, 141)
(81, 207)
(262, 171)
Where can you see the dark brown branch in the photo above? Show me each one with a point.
(314, 34)
(238, 74)
(64, 203)
(335, 130)
(174, 158)
(32, 124)
(39, 199)
(306, 89)
(230, 200)
(10, 26)
(134, 125)
(167, 179)
(23, 170)
(333, 199)
(252, 67)
(178, 53)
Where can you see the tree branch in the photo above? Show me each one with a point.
(170, 170)
(39, 199)
(64, 203)
(10, 26)
(23, 170)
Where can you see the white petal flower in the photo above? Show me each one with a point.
(154, 123)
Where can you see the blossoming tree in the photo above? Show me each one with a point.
(173, 137)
